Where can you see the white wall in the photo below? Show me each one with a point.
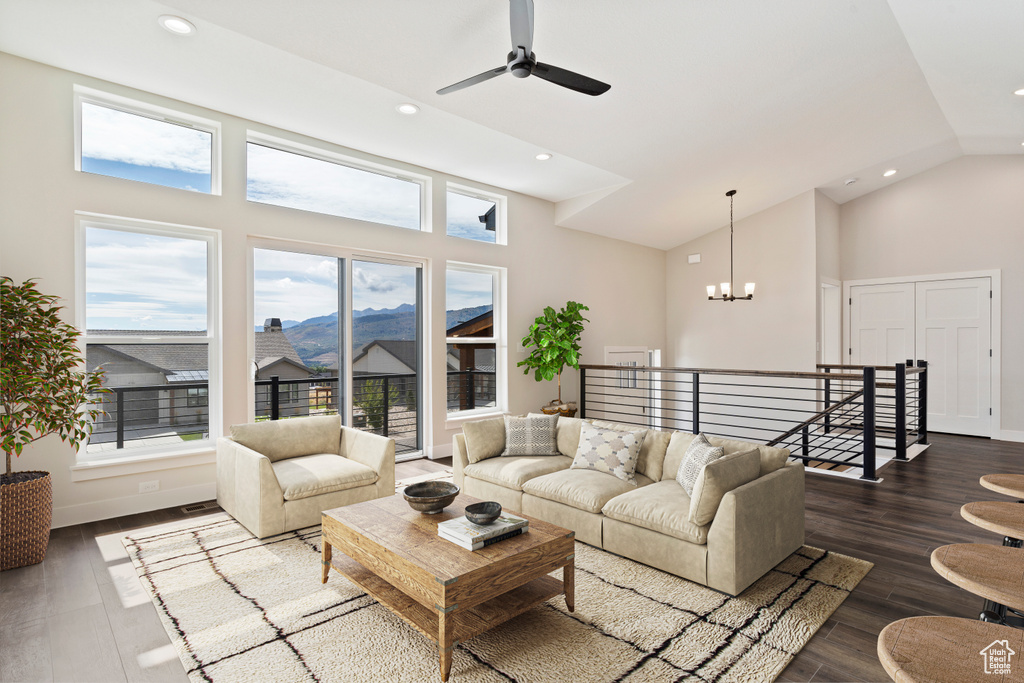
(777, 330)
(624, 284)
(827, 266)
(965, 215)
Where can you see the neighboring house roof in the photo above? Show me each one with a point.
(268, 363)
(271, 345)
(474, 326)
(403, 350)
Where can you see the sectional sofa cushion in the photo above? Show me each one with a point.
(652, 451)
(514, 471)
(567, 435)
(677, 445)
(530, 435)
(484, 438)
(663, 507)
(771, 458)
(698, 454)
(281, 439)
(609, 450)
(587, 490)
(305, 476)
(719, 477)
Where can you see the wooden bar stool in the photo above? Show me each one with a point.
(950, 649)
(996, 573)
(1007, 484)
(997, 516)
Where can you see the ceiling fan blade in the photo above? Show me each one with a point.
(479, 78)
(569, 79)
(521, 19)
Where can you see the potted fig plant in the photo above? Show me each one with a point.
(555, 338)
(43, 391)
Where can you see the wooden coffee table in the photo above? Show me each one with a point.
(445, 592)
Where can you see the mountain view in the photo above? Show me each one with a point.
(315, 339)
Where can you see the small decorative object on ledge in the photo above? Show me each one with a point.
(430, 497)
(555, 337)
(727, 288)
(42, 392)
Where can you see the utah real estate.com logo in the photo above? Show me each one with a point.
(997, 657)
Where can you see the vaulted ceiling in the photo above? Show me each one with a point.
(770, 98)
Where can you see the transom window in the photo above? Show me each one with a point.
(311, 181)
(126, 139)
(475, 215)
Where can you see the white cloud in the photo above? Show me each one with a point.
(382, 285)
(299, 182)
(293, 286)
(118, 136)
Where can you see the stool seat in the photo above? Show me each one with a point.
(1007, 484)
(950, 649)
(1001, 517)
(993, 572)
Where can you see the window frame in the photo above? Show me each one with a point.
(84, 221)
(500, 212)
(499, 279)
(323, 154)
(126, 105)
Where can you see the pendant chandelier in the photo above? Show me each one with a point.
(727, 289)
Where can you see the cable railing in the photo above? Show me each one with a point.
(829, 420)
(146, 415)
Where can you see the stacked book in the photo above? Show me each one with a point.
(464, 533)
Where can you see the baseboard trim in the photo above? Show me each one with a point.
(1011, 435)
(130, 505)
(440, 451)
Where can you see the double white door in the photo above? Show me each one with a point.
(945, 322)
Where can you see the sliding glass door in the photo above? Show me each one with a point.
(339, 335)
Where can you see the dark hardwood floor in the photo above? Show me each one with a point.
(82, 615)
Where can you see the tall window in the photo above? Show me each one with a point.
(311, 181)
(475, 339)
(476, 215)
(147, 305)
(131, 140)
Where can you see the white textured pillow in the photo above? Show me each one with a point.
(610, 451)
(699, 453)
(530, 435)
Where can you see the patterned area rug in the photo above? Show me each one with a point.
(240, 609)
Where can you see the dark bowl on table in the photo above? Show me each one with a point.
(483, 513)
(430, 497)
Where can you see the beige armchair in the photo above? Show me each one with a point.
(279, 476)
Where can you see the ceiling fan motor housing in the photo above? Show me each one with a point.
(519, 64)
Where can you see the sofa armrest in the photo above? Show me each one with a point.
(247, 488)
(757, 526)
(459, 458)
(373, 450)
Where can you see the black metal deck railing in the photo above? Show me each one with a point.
(149, 414)
(827, 419)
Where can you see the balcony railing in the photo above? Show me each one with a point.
(382, 404)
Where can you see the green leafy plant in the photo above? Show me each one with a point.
(372, 400)
(43, 391)
(555, 338)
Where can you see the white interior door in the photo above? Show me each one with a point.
(954, 336)
(882, 324)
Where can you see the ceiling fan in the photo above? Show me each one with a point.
(523, 63)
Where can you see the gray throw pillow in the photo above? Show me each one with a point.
(530, 435)
(610, 451)
(484, 438)
(699, 453)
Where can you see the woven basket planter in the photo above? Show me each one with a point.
(26, 508)
(563, 409)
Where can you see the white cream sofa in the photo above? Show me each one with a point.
(278, 476)
(756, 526)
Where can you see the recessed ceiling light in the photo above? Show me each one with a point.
(850, 181)
(890, 172)
(177, 25)
(543, 156)
(407, 108)
(1019, 91)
